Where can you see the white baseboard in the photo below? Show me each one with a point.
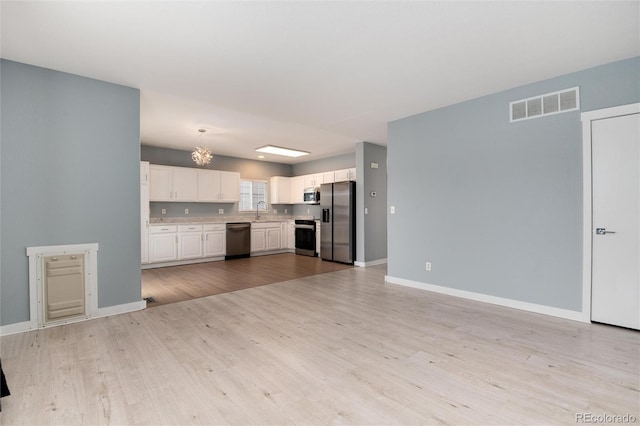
(371, 263)
(180, 262)
(121, 309)
(22, 327)
(18, 327)
(509, 303)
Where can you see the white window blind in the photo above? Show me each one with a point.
(251, 193)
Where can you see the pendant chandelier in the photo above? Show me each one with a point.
(201, 155)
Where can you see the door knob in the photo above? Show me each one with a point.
(602, 231)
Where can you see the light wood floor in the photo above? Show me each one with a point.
(337, 348)
(180, 283)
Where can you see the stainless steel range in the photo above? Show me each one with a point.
(306, 237)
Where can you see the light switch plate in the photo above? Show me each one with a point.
(393, 210)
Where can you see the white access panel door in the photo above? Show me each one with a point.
(615, 287)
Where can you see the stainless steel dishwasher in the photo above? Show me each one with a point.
(238, 240)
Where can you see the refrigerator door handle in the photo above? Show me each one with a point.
(325, 215)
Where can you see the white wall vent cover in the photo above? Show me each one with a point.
(547, 104)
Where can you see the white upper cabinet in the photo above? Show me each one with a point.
(311, 181)
(328, 177)
(280, 190)
(297, 190)
(144, 172)
(160, 183)
(168, 183)
(229, 187)
(345, 175)
(185, 184)
(218, 186)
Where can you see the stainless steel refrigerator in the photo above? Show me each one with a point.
(338, 228)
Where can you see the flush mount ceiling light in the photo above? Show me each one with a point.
(201, 155)
(277, 150)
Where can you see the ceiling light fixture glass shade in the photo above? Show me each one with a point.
(278, 150)
(201, 155)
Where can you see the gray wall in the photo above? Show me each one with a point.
(497, 207)
(250, 169)
(372, 226)
(70, 174)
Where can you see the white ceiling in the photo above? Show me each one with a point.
(318, 76)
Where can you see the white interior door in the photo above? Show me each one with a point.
(615, 287)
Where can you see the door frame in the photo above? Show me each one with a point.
(587, 195)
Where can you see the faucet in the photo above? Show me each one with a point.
(257, 206)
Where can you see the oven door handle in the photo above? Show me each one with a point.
(305, 226)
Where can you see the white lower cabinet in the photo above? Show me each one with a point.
(266, 236)
(163, 243)
(273, 237)
(258, 240)
(189, 241)
(284, 235)
(292, 235)
(215, 240)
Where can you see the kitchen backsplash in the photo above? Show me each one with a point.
(212, 209)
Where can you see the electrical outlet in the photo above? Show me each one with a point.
(392, 210)
(275, 211)
(220, 211)
(428, 266)
(366, 210)
(308, 211)
(285, 211)
(186, 211)
(163, 211)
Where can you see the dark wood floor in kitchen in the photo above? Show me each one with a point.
(178, 283)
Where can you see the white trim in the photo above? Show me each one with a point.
(587, 201)
(181, 262)
(509, 303)
(36, 257)
(121, 309)
(22, 327)
(18, 327)
(371, 263)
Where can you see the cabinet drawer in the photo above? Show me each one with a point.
(164, 229)
(190, 228)
(215, 227)
(265, 225)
